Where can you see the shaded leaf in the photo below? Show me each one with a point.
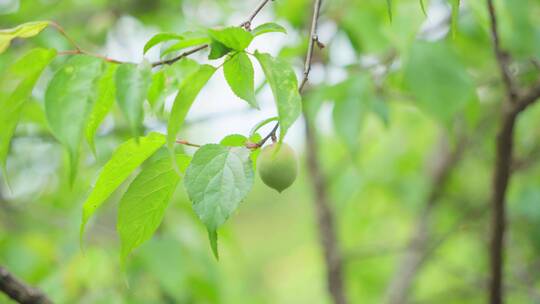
(217, 180)
(217, 50)
(238, 72)
(438, 80)
(15, 89)
(132, 84)
(102, 105)
(190, 39)
(190, 88)
(236, 38)
(389, 9)
(284, 85)
(127, 157)
(157, 88)
(143, 205)
(68, 101)
(455, 14)
(25, 30)
(269, 27)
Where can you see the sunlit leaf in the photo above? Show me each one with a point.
(236, 38)
(159, 38)
(423, 7)
(389, 9)
(238, 72)
(102, 105)
(438, 80)
(68, 100)
(217, 180)
(190, 39)
(143, 205)
(455, 14)
(233, 140)
(15, 89)
(269, 27)
(127, 157)
(132, 84)
(284, 85)
(25, 30)
(189, 90)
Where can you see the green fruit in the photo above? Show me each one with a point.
(278, 166)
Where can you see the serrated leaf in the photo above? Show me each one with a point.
(269, 27)
(142, 207)
(102, 105)
(236, 38)
(233, 140)
(190, 39)
(15, 89)
(68, 101)
(25, 30)
(438, 80)
(217, 180)
(238, 72)
(127, 157)
(217, 50)
(159, 38)
(132, 84)
(284, 85)
(190, 88)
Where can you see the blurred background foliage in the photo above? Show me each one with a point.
(391, 100)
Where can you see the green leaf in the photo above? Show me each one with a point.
(217, 180)
(132, 84)
(423, 7)
(190, 39)
(269, 27)
(15, 89)
(143, 205)
(261, 124)
(389, 9)
(102, 105)
(189, 90)
(349, 112)
(217, 50)
(284, 85)
(455, 14)
(236, 38)
(438, 80)
(68, 101)
(238, 72)
(233, 140)
(127, 157)
(159, 38)
(157, 88)
(25, 30)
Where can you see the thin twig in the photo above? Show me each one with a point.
(314, 39)
(247, 24)
(19, 291)
(272, 135)
(187, 143)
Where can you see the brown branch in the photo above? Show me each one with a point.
(512, 106)
(247, 24)
(325, 218)
(19, 291)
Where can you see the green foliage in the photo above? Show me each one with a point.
(269, 27)
(189, 90)
(106, 91)
(127, 157)
(157, 88)
(159, 38)
(438, 80)
(236, 38)
(233, 140)
(142, 207)
(68, 102)
(16, 90)
(284, 85)
(190, 39)
(217, 50)
(217, 180)
(132, 83)
(25, 30)
(239, 72)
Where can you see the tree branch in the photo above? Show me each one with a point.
(512, 107)
(325, 218)
(19, 291)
